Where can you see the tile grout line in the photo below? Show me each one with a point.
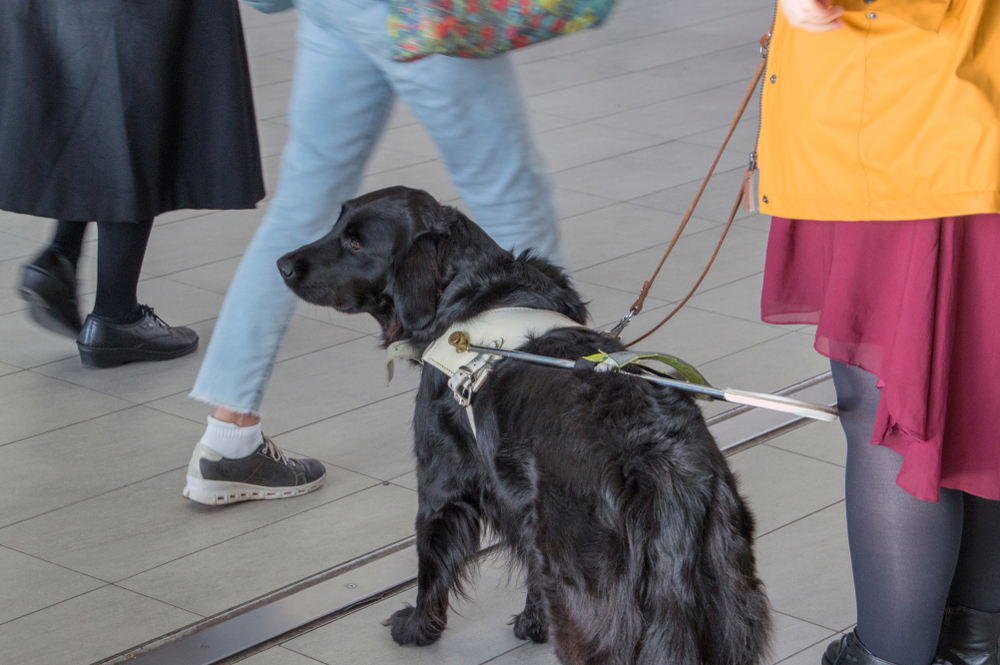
(797, 519)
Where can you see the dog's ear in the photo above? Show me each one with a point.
(425, 211)
(413, 284)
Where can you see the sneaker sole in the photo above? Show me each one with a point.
(104, 357)
(220, 492)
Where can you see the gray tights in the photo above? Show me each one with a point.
(909, 556)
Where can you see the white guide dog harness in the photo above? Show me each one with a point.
(502, 328)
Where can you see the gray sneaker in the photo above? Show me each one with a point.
(266, 474)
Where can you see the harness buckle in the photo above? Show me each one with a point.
(461, 384)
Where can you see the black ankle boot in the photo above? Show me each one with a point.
(969, 637)
(849, 650)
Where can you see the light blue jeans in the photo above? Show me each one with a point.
(342, 94)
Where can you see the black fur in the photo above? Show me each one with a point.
(609, 491)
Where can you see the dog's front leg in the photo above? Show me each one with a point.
(532, 624)
(447, 540)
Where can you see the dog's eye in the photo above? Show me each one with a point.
(352, 243)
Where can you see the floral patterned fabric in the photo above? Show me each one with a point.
(484, 28)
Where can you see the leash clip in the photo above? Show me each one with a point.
(616, 332)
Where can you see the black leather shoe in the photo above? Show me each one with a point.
(849, 650)
(969, 637)
(104, 344)
(266, 474)
(48, 284)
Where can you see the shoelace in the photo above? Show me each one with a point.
(148, 311)
(273, 451)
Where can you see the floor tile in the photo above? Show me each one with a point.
(585, 143)
(376, 439)
(30, 584)
(823, 441)
(22, 393)
(26, 344)
(741, 256)
(271, 100)
(362, 323)
(672, 119)
(477, 630)
(268, 69)
(12, 246)
(248, 566)
(806, 568)
(10, 277)
(272, 137)
(278, 656)
(200, 240)
(792, 636)
(698, 337)
(781, 487)
(528, 654)
(27, 226)
(90, 458)
(431, 176)
(643, 172)
(767, 367)
(407, 480)
(619, 230)
(754, 22)
(570, 203)
(739, 299)
(589, 101)
(810, 656)
(655, 50)
(124, 532)
(559, 73)
(264, 39)
(715, 204)
(87, 628)
(607, 306)
(410, 139)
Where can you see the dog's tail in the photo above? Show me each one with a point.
(700, 596)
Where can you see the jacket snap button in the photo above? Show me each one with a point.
(774, 79)
(873, 15)
(764, 199)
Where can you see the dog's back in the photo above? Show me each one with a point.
(645, 544)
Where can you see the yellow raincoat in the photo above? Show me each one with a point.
(896, 116)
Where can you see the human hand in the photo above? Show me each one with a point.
(812, 15)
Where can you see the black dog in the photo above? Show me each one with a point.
(608, 490)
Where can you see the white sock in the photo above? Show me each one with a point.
(231, 441)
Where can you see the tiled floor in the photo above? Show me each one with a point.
(99, 552)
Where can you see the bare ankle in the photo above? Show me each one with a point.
(236, 418)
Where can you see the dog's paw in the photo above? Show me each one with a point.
(531, 625)
(407, 628)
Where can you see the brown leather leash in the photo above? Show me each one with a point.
(745, 197)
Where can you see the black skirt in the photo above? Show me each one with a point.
(119, 110)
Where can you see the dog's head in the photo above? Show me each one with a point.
(380, 258)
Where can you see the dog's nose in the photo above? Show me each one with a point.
(286, 267)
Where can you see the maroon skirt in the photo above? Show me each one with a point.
(916, 303)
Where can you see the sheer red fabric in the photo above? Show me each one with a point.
(916, 303)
